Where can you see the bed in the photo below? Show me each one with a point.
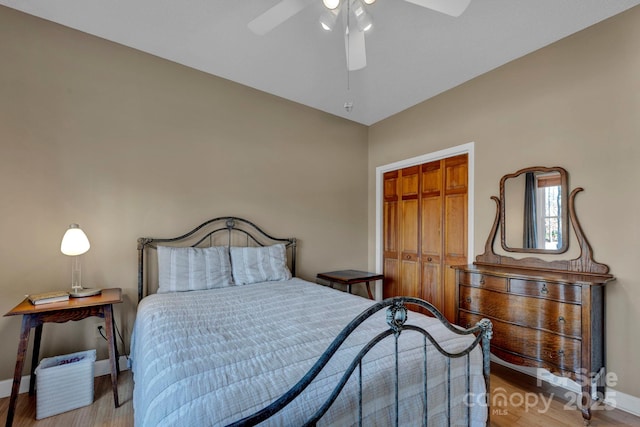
(261, 346)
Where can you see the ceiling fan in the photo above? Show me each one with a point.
(355, 17)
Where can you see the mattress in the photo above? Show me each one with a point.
(212, 357)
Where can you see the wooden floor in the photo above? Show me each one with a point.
(101, 413)
(517, 387)
(547, 406)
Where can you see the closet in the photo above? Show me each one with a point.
(425, 230)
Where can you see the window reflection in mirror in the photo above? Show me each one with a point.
(534, 215)
(546, 197)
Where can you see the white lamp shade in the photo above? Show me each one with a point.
(74, 241)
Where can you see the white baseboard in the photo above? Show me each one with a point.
(624, 402)
(101, 368)
(616, 399)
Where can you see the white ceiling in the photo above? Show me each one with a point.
(413, 53)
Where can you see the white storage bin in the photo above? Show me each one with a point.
(64, 383)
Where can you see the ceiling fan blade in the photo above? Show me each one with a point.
(276, 15)
(356, 51)
(448, 7)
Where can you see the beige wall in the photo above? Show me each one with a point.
(129, 145)
(574, 104)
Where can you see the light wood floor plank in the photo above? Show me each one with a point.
(503, 380)
(101, 413)
(560, 412)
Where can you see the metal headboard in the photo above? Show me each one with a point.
(210, 233)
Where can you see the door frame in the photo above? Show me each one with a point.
(469, 149)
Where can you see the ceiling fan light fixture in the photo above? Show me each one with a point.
(328, 19)
(366, 25)
(331, 4)
(369, 1)
(363, 18)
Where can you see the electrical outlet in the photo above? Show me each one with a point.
(101, 334)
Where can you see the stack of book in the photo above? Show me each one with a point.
(48, 297)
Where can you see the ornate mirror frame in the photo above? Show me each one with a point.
(562, 217)
(584, 263)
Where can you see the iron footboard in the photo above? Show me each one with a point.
(396, 319)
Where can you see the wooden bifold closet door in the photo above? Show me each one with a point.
(425, 231)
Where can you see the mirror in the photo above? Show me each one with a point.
(533, 215)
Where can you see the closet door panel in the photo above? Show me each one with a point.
(455, 228)
(391, 278)
(410, 278)
(409, 257)
(431, 283)
(409, 182)
(390, 212)
(431, 233)
(390, 230)
(431, 227)
(425, 231)
(455, 243)
(409, 231)
(431, 179)
(456, 174)
(455, 211)
(450, 301)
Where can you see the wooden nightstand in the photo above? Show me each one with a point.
(34, 316)
(350, 277)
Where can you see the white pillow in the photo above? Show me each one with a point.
(191, 269)
(260, 264)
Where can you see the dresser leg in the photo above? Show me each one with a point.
(586, 403)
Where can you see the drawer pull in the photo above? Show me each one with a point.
(429, 259)
(408, 257)
(544, 290)
(561, 353)
(561, 319)
(468, 299)
(481, 280)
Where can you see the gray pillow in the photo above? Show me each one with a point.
(260, 264)
(191, 269)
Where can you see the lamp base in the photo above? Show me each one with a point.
(84, 292)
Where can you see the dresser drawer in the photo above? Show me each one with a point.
(532, 344)
(483, 281)
(535, 313)
(557, 291)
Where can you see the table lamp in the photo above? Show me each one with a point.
(75, 243)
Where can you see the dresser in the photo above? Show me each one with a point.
(551, 320)
(546, 312)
